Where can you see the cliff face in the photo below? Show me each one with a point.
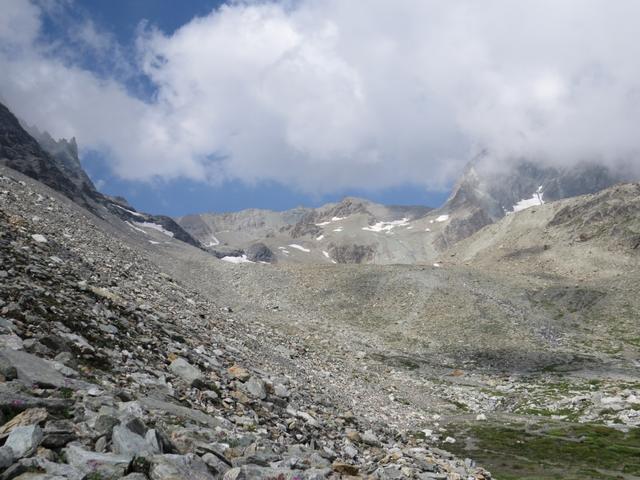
(57, 165)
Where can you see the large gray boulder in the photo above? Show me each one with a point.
(23, 441)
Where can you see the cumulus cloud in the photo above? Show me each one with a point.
(325, 95)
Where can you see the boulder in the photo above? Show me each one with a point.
(108, 465)
(126, 442)
(259, 252)
(178, 467)
(32, 370)
(24, 440)
(256, 388)
(185, 370)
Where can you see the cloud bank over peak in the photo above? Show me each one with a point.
(328, 95)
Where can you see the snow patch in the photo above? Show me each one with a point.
(535, 200)
(334, 219)
(242, 259)
(131, 212)
(339, 229)
(213, 241)
(154, 226)
(387, 226)
(320, 237)
(442, 218)
(299, 247)
(152, 242)
(136, 228)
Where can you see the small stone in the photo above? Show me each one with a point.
(354, 436)
(481, 417)
(345, 468)
(185, 370)
(39, 238)
(239, 372)
(281, 391)
(104, 424)
(370, 439)
(256, 388)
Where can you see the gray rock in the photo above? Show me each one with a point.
(106, 464)
(104, 424)
(11, 341)
(7, 457)
(180, 411)
(256, 388)
(248, 472)
(185, 370)
(259, 252)
(126, 442)
(53, 471)
(135, 476)
(32, 370)
(370, 438)
(281, 391)
(178, 467)
(24, 440)
(215, 463)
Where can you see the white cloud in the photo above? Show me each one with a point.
(325, 95)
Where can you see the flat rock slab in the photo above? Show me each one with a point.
(32, 416)
(179, 467)
(180, 411)
(33, 370)
(106, 464)
(249, 472)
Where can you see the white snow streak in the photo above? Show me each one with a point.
(387, 226)
(299, 247)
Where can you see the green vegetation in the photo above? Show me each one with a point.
(568, 451)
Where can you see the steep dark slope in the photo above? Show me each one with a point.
(56, 164)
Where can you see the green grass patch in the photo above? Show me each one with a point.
(568, 451)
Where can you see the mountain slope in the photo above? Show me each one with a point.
(351, 231)
(359, 231)
(57, 165)
(596, 235)
(485, 194)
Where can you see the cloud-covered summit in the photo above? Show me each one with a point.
(324, 95)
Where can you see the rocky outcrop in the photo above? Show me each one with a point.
(259, 252)
(56, 164)
(351, 253)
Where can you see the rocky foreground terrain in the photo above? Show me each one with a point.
(110, 367)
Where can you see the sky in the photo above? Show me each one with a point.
(200, 105)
